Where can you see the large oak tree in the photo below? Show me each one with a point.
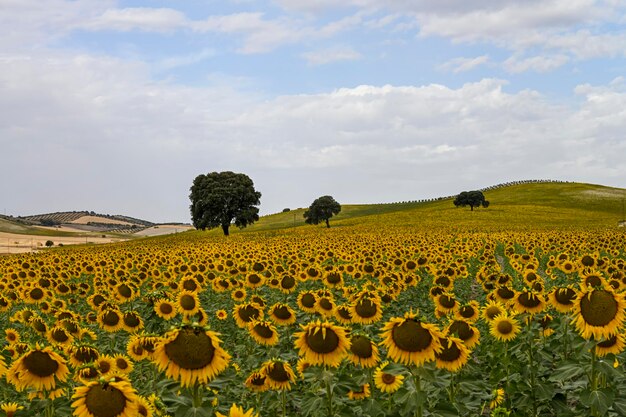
(223, 198)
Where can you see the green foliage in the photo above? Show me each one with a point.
(321, 210)
(221, 198)
(472, 199)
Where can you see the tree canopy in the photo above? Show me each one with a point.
(321, 210)
(472, 199)
(223, 198)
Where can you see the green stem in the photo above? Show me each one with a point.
(566, 337)
(531, 362)
(284, 401)
(593, 380)
(418, 390)
(197, 396)
(49, 412)
(452, 389)
(506, 371)
(329, 397)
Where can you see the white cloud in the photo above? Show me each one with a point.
(132, 145)
(185, 60)
(326, 56)
(516, 64)
(461, 64)
(141, 18)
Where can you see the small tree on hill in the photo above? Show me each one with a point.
(223, 198)
(321, 210)
(472, 199)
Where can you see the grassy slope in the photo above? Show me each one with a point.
(547, 205)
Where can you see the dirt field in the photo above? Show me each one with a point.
(163, 230)
(18, 243)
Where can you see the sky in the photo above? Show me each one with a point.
(116, 106)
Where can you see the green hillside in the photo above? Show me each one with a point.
(531, 205)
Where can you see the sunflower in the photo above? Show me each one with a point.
(527, 301)
(191, 355)
(287, 284)
(236, 411)
(362, 351)
(504, 327)
(144, 407)
(469, 312)
(245, 313)
(453, 355)
(385, 381)
(187, 303)
(132, 321)
(105, 364)
(366, 310)
(86, 374)
(322, 343)
(343, 314)
(333, 279)
(278, 374)
(10, 408)
(37, 368)
(360, 393)
(238, 294)
(263, 332)
(307, 301)
(123, 364)
(562, 298)
(165, 309)
(504, 294)
(34, 295)
(82, 354)
(58, 335)
(11, 335)
(254, 280)
(282, 314)
(614, 344)
(110, 320)
(3, 367)
(325, 306)
(410, 341)
(599, 313)
(446, 303)
(545, 322)
(302, 366)
(497, 398)
(141, 347)
(493, 309)
(221, 314)
(114, 397)
(256, 382)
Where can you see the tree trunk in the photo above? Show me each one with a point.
(327, 224)
(471, 207)
(225, 229)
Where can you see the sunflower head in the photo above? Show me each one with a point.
(191, 354)
(322, 343)
(110, 397)
(409, 340)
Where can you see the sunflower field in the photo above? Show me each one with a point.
(353, 321)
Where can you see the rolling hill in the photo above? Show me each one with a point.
(520, 205)
(527, 205)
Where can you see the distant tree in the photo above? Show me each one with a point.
(286, 210)
(49, 243)
(472, 199)
(49, 222)
(321, 210)
(223, 198)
